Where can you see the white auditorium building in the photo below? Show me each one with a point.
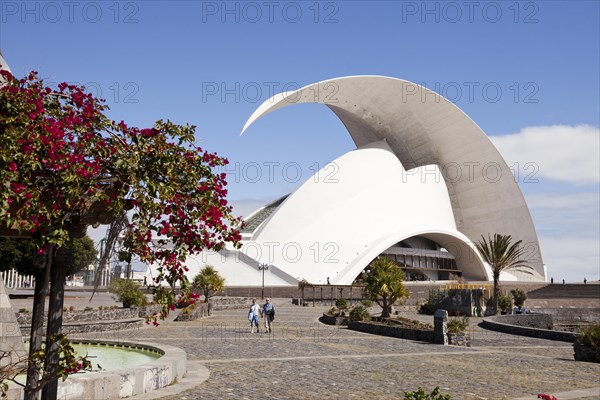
(423, 184)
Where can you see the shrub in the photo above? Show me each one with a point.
(434, 301)
(72, 308)
(88, 308)
(341, 304)
(457, 325)
(188, 309)
(367, 303)
(411, 323)
(589, 336)
(359, 313)
(422, 395)
(128, 292)
(504, 302)
(23, 310)
(333, 311)
(519, 297)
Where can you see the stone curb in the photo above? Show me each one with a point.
(196, 374)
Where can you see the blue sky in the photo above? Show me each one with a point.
(211, 63)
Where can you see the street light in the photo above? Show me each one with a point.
(263, 268)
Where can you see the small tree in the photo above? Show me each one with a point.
(501, 255)
(519, 296)
(208, 280)
(341, 304)
(303, 284)
(359, 313)
(128, 292)
(504, 302)
(383, 284)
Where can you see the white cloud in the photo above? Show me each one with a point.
(560, 214)
(568, 231)
(559, 152)
(571, 258)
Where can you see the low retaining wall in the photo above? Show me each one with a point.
(230, 303)
(331, 320)
(81, 321)
(127, 382)
(82, 316)
(508, 324)
(96, 326)
(539, 321)
(392, 331)
(200, 311)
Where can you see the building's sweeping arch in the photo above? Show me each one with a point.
(423, 129)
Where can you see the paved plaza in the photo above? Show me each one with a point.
(305, 359)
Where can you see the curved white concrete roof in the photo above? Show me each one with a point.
(336, 228)
(422, 128)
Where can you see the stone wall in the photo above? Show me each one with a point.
(199, 310)
(331, 320)
(392, 331)
(230, 303)
(82, 316)
(539, 321)
(498, 324)
(81, 321)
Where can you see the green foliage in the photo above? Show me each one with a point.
(128, 292)
(208, 280)
(333, 311)
(303, 283)
(341, 304)
(519, 296)
(20, 254)
(17, 254)
(589, 336)
(504, 302)
(77, 167)
(359, 313)
(84, 254)
(422, 395)
(23, 310)
(434, 302)
(501, 254)
(189, 309)
(367, 303)
(458, 325)
(88, 308)
(383, 284)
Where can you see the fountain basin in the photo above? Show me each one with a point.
(124, 381)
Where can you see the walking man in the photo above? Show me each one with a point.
(268, 313)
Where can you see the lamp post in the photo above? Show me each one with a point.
(263, 268)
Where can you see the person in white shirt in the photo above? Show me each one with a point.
(253, 316)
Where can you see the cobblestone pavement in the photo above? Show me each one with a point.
(305, 359)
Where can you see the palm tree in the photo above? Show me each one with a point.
(302, 284)
(383, 284)
(501, 255)
(208, 280)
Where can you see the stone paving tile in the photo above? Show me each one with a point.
(305, 359)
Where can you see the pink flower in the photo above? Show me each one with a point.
(12, 167)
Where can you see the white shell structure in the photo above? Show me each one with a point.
(423, 171)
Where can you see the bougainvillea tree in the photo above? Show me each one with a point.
(65, 165)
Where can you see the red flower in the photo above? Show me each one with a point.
(12, 167)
